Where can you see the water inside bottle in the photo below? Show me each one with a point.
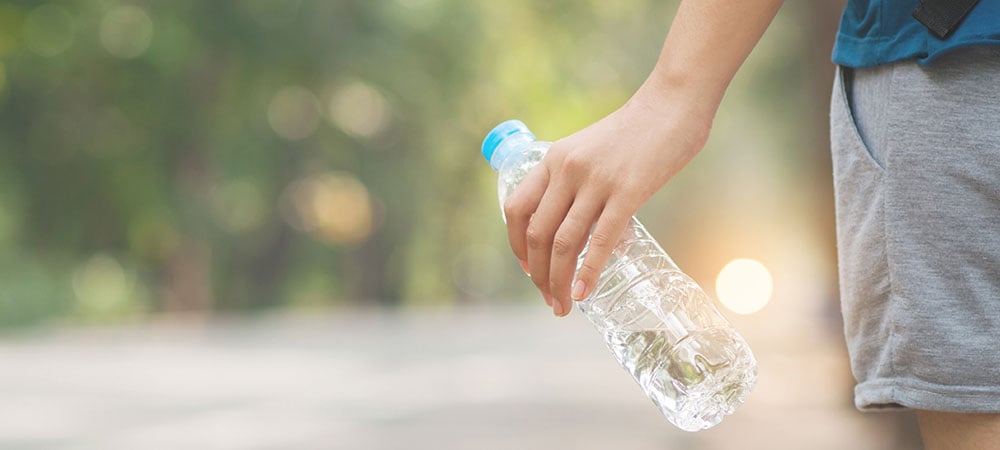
(663, 329)
(695, 382)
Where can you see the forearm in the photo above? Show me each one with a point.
(707, 43)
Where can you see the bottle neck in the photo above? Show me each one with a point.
(510, 145)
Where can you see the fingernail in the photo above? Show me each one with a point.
(557, 309)
(578, 288)
(524, 267)
(548, 299)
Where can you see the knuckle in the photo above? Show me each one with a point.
(588, 269)
(574, 163)
(508, 207)
(601, 240)
(629, 184)
(536, 238)
(562, 245)
(512, 208)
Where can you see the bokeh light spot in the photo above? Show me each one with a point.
(744, 286)
(334, 207)
(126, 31)
(48, 30)
(102, 287)
(359, 110)
(293, 113)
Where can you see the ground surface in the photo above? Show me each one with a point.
(471, 379)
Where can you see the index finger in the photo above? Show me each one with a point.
(519, 207)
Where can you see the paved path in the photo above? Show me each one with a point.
(473, 379)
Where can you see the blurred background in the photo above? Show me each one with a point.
(267, 224)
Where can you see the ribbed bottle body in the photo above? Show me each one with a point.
(666, 332)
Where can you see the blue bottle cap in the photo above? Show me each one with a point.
(501, 132)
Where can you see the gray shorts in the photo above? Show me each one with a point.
(916, 162)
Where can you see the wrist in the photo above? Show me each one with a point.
(684, 91)
(676, 109)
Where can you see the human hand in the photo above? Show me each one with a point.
(596, 179)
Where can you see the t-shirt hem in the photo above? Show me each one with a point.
(850, 51)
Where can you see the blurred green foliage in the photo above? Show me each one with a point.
(216, 156)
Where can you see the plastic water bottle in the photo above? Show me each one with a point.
(659, 324)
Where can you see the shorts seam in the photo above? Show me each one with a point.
(893, 299)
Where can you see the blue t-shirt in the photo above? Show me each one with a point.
(874, 32)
